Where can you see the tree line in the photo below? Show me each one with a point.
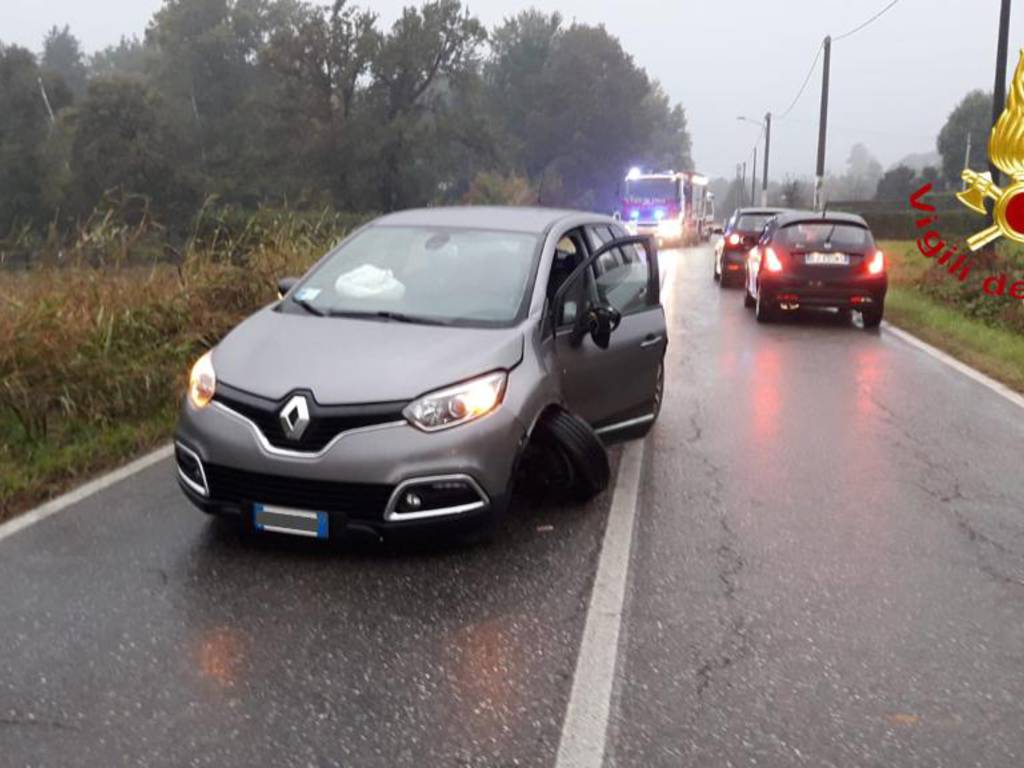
(289, 102)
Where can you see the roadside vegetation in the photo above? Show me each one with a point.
(95, 352)
(986, 332)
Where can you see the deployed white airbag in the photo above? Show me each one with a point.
(367, 282)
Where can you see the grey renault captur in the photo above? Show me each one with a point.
(421, 365)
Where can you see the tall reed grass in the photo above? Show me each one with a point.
(94, 353)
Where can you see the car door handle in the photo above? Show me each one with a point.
(651, 340)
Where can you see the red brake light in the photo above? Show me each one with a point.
(877, 264)
(771, 260)
(734, 239)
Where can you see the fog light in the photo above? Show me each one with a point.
(436, 497)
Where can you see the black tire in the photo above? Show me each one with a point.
(763, 312)
(872, 318)
(573, 440)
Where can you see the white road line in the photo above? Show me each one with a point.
(585, 727)
(71, 498)
(997, 387)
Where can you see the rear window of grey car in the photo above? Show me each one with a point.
(450, 275)
(753, 222)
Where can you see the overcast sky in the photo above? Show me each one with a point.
(893, 84)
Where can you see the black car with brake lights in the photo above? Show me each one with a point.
(809, 259)
(741, 233)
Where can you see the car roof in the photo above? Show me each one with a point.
(757, 211)
(794, 217)
(534, 220)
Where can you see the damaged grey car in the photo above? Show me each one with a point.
(422, 366)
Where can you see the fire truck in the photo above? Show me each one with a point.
(674, 207)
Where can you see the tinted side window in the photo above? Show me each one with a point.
(622, 275)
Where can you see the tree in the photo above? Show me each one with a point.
(897, 184)
(793, 193)
(122, 144)
(973, 115)
(128, 57)
(23, 130)
(317, 58)
(62, 55)
(863, 173)
(423, 60)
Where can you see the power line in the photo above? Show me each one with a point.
(802, 87)
(873, 19)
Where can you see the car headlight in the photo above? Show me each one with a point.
(459, 404)
(202, 381)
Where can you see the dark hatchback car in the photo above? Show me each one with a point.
(809, 259)
(741, 233)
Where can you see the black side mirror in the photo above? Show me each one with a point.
(284, 285)
(600, 321)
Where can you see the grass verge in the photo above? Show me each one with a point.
(941, 318)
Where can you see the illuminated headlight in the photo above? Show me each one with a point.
(459, 404)
(670, 227)
(202, 381)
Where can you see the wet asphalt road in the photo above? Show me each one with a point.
(828, 569)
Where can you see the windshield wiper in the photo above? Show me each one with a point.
(828, 239)
(399, 317)
(309, 307)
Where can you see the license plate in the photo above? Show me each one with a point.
(827, 259)
(295, 522)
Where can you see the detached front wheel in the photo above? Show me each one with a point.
(569, 456)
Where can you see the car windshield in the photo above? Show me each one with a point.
(446, 276)
(659, 189)
(752, 222)
(815, 235)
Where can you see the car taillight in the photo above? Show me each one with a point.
(771, 260)
(734, 239)
(877, 264)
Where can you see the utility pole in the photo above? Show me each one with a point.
(999, 91)
(767, 148)
(819, 177)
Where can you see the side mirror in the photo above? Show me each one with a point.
(600, 321)
(284, 285)
(617, 216)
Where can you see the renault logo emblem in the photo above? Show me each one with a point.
(295, 417)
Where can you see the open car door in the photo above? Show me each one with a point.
(611, 336)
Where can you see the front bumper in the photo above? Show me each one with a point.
(853, 293)
(663, 231)
(358, 478)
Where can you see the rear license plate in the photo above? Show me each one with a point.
(827, 259)
(295, 522)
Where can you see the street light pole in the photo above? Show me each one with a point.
(767, 149)
(753, 179)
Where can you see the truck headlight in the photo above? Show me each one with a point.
(202, 381)
(459, 404)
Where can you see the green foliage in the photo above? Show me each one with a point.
(308, 105)
(121, 145)
(62, 55)
(973, 115)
